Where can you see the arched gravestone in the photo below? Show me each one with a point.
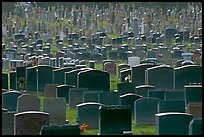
(106, 61)
(124, 74)
(138, 73)
(185, 75)
(60, 130)
(21, 76)
(114, 120)
(44, 76)
(31, 78)
(9, 100)
(172, 123)
(28, 102)
(144, 110)
(63, 91)
(129, 99)
(36, 121)
(13, 80)
(94, 80)
(59, 74)
(4, 81)
(88, 113)
(71, 76)
(161, 77)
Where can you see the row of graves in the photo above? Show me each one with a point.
(150, 90)
(147, 94)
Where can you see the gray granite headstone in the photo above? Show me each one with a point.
(76, 96)
(28, 102)
(50, 90)
(56, 107)
(8, 123)
(36, 121)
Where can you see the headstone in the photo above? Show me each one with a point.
(125, 87)
(60, 130)
(91, 96)
(8, 123)
(144, 110)
(88, 114)
(120, 115)
(136, 27)
(9, 100)
(31, 79)
(110, 67)
(185, 75)
(143, 90)
(195, 127)
(44, 74)
(4, 81)
(192, 93)
(36, 121)
(76, 96)
(156, 93)
(50, 90)
(63, 91)
(138, 73)
(56, 107)
(171, 106)
(71, 76)
(129, 99)
(28, 102)
(99, 78)
(174, 95)
(164, 126)
(161, 77)
(13, 80)
(132, 61)
(195, 109)
(108, 98)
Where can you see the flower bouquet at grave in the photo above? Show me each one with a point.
(83, 127)
(21, 84)
(13, 69)
(128, 78)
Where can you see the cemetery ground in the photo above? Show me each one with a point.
(71, 113)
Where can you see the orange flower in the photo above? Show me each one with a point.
(83, 127)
